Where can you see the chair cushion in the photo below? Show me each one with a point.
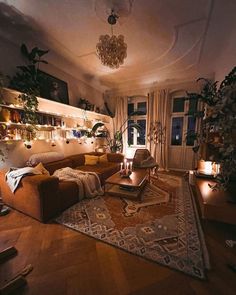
(139, 156)
(148, 163)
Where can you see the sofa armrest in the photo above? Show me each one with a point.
(36, 196)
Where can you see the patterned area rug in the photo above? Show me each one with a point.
(164, 227)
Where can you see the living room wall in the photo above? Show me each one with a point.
(11, 57)
(16, 153)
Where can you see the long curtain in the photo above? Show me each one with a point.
(158, 102)
(121, 117)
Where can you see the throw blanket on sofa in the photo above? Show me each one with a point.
(88, 182)
(14, 176)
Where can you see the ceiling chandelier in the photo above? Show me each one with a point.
(112, 50)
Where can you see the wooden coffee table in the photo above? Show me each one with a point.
(127, 187)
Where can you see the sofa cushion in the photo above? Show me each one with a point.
(42, 169)
(44, 158)
(77, 160)
(103, 159)
(115, 158)
(53, 166)
(91, 160)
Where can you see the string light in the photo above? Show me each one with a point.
(19, 136)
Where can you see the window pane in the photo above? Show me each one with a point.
(142, 107)
(193, 105)
(141, 134)
(178, 105)
(191, 131)
(177, 130)
(130, 108)
(130, 133)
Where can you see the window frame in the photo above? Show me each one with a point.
(185, 122)
(135, 100)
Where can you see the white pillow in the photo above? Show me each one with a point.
(44, 158)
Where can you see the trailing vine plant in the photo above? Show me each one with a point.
(218, 119)
(3, 81)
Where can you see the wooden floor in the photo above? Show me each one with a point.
(67, 262)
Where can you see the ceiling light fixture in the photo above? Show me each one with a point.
(112, 50)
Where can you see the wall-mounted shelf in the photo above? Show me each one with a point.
(61, 110)
(65, 123)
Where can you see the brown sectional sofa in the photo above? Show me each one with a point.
(43, 197)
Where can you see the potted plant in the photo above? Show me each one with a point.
(27, 80)
(218, 129)
(116, 143)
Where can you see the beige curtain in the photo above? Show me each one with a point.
(121, 117)
(158, 104)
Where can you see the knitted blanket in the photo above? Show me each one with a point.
(14, 176)
(88, 182)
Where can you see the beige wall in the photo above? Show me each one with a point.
(16, 152)
(11, 57)
(143, 91)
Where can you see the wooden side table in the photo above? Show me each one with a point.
(215, 205)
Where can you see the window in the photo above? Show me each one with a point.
(181, 123)
(137, 112)
(178, 105)
(177, 130)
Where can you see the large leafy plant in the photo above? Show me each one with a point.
(219, 118)
(27, 80)
(116, 143)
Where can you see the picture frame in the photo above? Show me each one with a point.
(53, 88)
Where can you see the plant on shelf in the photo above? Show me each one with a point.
(218, 129)
(27, 80)
(3, 82)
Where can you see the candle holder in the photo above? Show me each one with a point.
(125, 173)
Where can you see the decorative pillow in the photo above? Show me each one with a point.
(149, 162)
(91, 160)
(42, 169)
(103, 159)
(44, 158)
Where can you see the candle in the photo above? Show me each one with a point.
(121, 166)
(125, 162)
(131, 165)
(208, 167)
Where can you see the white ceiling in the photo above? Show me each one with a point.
(166, 39)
